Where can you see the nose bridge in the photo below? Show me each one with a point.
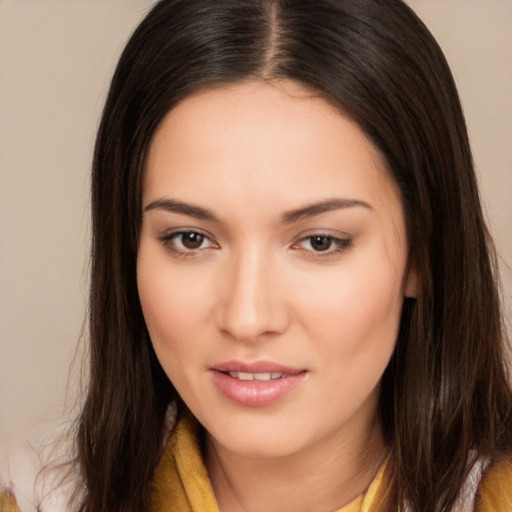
(249, 306)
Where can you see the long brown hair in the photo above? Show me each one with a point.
(445, 397)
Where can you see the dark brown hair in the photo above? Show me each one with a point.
(445, 395)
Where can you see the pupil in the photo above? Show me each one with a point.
(192, 240)
(321, 243)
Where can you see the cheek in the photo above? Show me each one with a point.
(173, 306)
(357, 312)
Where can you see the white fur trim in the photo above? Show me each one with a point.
(22, 460)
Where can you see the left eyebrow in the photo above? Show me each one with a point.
(321, 207)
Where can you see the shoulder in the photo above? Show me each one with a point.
(495, 490)
(36, 473)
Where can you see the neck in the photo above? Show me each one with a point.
(324, 476)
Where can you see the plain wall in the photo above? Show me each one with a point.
(56, 58)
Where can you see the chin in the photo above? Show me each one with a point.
(254, 445)
(262, 436)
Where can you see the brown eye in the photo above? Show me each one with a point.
(192, 240)
(188, 243)
(321, 243)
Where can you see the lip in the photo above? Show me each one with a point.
(256, 393)
(255, 367)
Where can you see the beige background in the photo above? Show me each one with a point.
(56, 57)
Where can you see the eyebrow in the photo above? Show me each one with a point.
(321, 207)
(289, 217)
(191, 210)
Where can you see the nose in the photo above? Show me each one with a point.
(253, 305)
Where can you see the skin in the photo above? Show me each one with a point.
(258, 289)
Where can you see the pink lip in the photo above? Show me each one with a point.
(255, 393)
(255, 367)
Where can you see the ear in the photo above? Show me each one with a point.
(412, 281)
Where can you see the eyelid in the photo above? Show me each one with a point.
(341, 242)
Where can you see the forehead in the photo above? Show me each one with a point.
(280, 140)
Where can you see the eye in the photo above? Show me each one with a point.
(190, 240)
(322, 243)
(187, 241)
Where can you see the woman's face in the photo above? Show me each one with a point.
(271, 267)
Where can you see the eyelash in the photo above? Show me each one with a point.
(335, 245)
(169, 242)
(340, 244)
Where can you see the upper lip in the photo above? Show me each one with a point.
(255, 367)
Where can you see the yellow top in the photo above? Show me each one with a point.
(7, 503)
(181, 482)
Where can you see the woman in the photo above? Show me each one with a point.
(293, 303)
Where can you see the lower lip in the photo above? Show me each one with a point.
(254, 393)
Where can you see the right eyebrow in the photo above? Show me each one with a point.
(182, 208)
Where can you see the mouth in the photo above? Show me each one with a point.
(262, 377)
(255, 384)
(260, 370)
